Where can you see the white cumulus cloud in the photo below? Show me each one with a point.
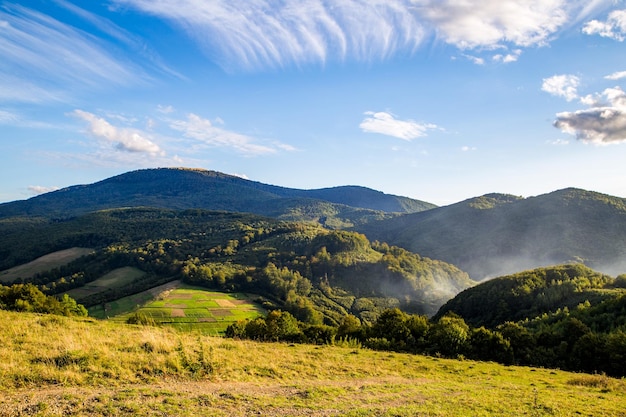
(613, 27)
(386, 124)
(125, 139)
(565, 86)
(489, 23)
(604, 122)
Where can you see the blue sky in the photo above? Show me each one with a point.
(439, 100)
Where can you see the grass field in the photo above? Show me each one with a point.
(116, 278)
(189, 308)
(42, 264)
(53, 366)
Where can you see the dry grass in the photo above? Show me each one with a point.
(52, 366)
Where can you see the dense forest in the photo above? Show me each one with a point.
(305, 269)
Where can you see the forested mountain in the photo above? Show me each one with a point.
(179, 188)
(530, 294)
(317, 274)
(499, 234)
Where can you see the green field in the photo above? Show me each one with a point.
(43, 263)
(186, 308)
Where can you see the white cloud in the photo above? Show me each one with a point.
(507, 58)
(386, 124)
(125, 139)
(603, 123)
(40, 189)
(616, 75)
(565, 86)
(259, 34)
(559, 142)
(203, 130)
(614, 27)
(489, 23)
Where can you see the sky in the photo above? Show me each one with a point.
(437, 100)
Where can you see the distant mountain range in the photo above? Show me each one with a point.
(498, 234)
(486, 236)
(180, 188)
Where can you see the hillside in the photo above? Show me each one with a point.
(316, 273)
(529, 294)
(178, 188)
(63, 366)
(499, 234)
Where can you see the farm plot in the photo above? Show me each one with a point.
(189, 308)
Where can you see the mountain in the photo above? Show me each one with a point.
(499, 234)
(179, 188)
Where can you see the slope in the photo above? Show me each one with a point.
(499, 234)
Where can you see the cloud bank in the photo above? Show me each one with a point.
(259, 34)
(386, 124)
(604, 122)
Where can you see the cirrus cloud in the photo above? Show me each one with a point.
(258, 34)
(386, 124)
(204, 131)
(604, 122)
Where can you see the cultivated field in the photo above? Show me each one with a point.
(53, 366)
(43, 263)
(188, 308)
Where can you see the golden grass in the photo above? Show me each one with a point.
(53, 366)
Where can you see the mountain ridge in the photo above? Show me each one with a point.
(498, 234)
(184, 188)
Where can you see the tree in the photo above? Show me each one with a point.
(449, 336)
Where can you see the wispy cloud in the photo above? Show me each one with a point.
(259, 34)
(206, 133)
(604, 122)
(386, 124)
(124, 139)
(565, 85)
(613, 27)
(48, 57)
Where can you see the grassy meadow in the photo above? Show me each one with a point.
(42, 264)
(53, 366)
